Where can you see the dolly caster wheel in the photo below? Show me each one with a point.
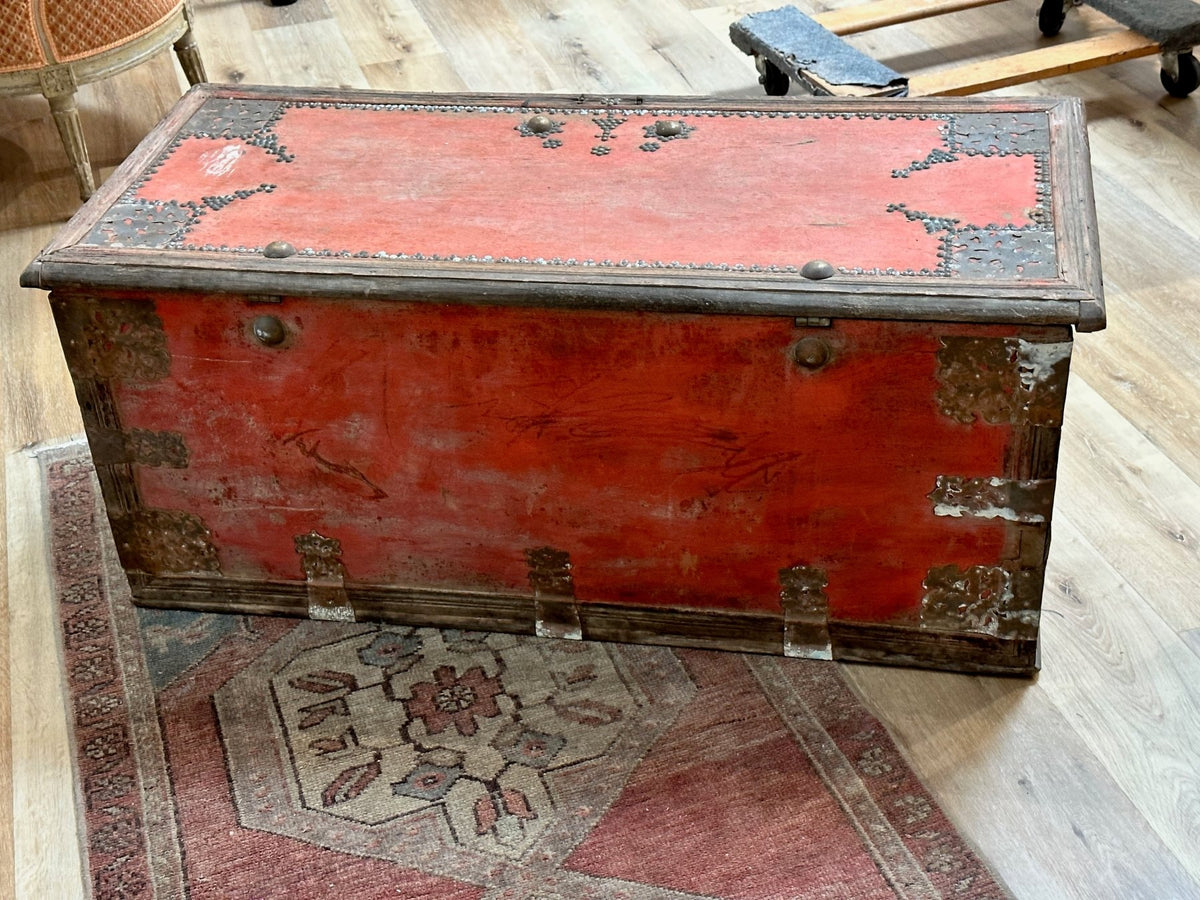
(1182, 78)
(1051, 16)
(773, 79)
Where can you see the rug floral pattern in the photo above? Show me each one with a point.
(475, 743)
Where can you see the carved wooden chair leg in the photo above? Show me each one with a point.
(66, 117)
(188, 52)
(134, 31)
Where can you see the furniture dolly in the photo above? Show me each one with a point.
(790, 46)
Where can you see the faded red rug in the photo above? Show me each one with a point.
(246, 757)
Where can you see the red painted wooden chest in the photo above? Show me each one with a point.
(765, 375)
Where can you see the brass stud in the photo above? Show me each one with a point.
(811, 353)
(539, 124)
(278, 250)
(668, 128)
(268, 331)
(816, 270)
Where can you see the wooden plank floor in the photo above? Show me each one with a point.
(1084, 783)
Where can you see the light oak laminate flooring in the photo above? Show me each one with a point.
(1084, 783)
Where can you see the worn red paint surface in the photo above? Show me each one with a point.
(738, 190)
(681, 460)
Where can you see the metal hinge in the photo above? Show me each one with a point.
(325, 577)
(555, 611)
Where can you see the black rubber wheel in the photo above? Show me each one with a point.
(1188, 80)
(1051, 17)
(774, 80)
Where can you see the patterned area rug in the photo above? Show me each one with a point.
(246, 757)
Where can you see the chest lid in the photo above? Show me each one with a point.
(963, 209)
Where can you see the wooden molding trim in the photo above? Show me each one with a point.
(747, 632)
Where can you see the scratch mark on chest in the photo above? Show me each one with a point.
(312, 450)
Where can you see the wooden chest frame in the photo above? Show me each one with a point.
(988, 336)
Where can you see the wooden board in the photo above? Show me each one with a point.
(43, 787)
(1033, 65)
(882, 13)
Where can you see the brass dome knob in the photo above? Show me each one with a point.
(816, 270)
(268, 331)
(811, 353)
(278, 250)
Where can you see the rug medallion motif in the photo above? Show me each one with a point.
(467, 740)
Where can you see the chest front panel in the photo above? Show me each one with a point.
(679, 460)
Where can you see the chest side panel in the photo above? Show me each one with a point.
(677, 460)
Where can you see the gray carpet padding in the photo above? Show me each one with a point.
(793, 41)
(1175, 24)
